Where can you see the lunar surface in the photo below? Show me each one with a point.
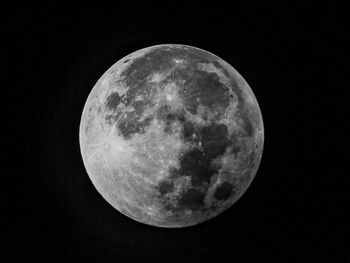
(171, 135)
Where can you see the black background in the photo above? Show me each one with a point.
(292, 58)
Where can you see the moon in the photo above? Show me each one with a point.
(171, 135)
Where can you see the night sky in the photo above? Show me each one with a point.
(291, 57)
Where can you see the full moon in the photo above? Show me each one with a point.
(171, 135)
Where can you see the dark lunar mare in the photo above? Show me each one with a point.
(197, 162)
(128, 123)
(203, 88)
(133, 125)
(198, 84)
(165, 186)
(223, 191)
(160, 60)
(113, 101)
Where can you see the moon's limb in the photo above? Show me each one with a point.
(126, 171)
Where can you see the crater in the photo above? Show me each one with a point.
(224, 191)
